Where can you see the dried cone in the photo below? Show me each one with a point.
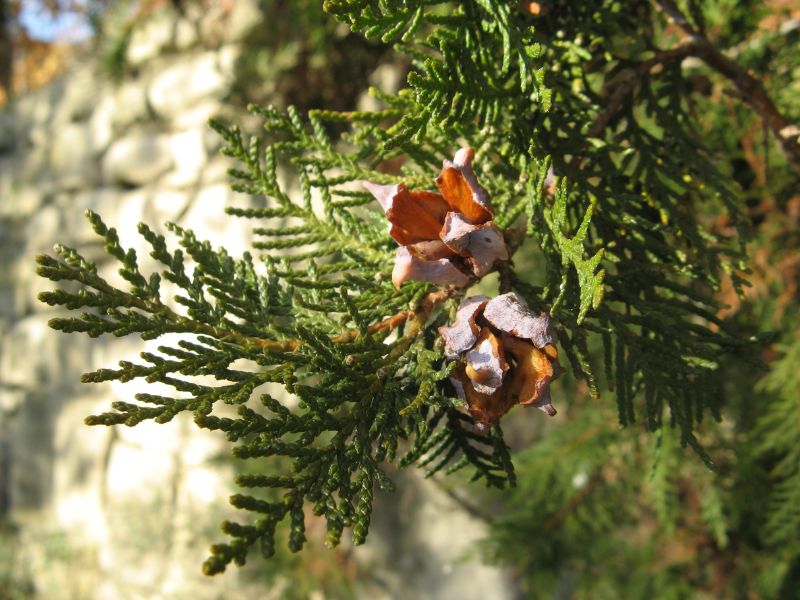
(506, 356)
(486, 363)
(446, 238)
(485, 409)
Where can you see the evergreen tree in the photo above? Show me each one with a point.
(612, 175)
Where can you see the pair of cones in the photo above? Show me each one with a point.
(506, 355)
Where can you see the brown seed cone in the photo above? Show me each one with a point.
(485, 409)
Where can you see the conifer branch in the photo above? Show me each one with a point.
(48, 266)
(620, 259)
(749, 87)
(626, 83)
(558, 517)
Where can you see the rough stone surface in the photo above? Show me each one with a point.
(186, 83)
(244, 17)
(80, 92)
(101, 125)
(38, 106)
(130, 104)
(149, 39)
(34, 164)
(18, 199)
(227, 56)
(186, 35)
(167, 205)
(203, 217)
(137, 159)
(188, 156)
(71, 157)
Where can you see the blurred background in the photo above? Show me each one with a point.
(104, 104)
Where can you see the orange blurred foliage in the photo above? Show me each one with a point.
(36, 64)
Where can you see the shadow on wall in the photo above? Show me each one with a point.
(302, 57)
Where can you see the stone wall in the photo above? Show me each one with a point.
(129, 512)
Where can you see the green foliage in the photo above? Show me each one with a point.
(778, 432)
(676, 532)
(472, 60)
(594, 157)
(596, 508)
(590, 280)
(299, 318)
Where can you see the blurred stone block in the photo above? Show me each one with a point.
(72, 163)
(79, 96)
(137, 159)
(185, 83)
(130, 104)
(150, 38)
(188, 156)
(244, 17)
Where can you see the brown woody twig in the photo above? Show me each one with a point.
(749, 87)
